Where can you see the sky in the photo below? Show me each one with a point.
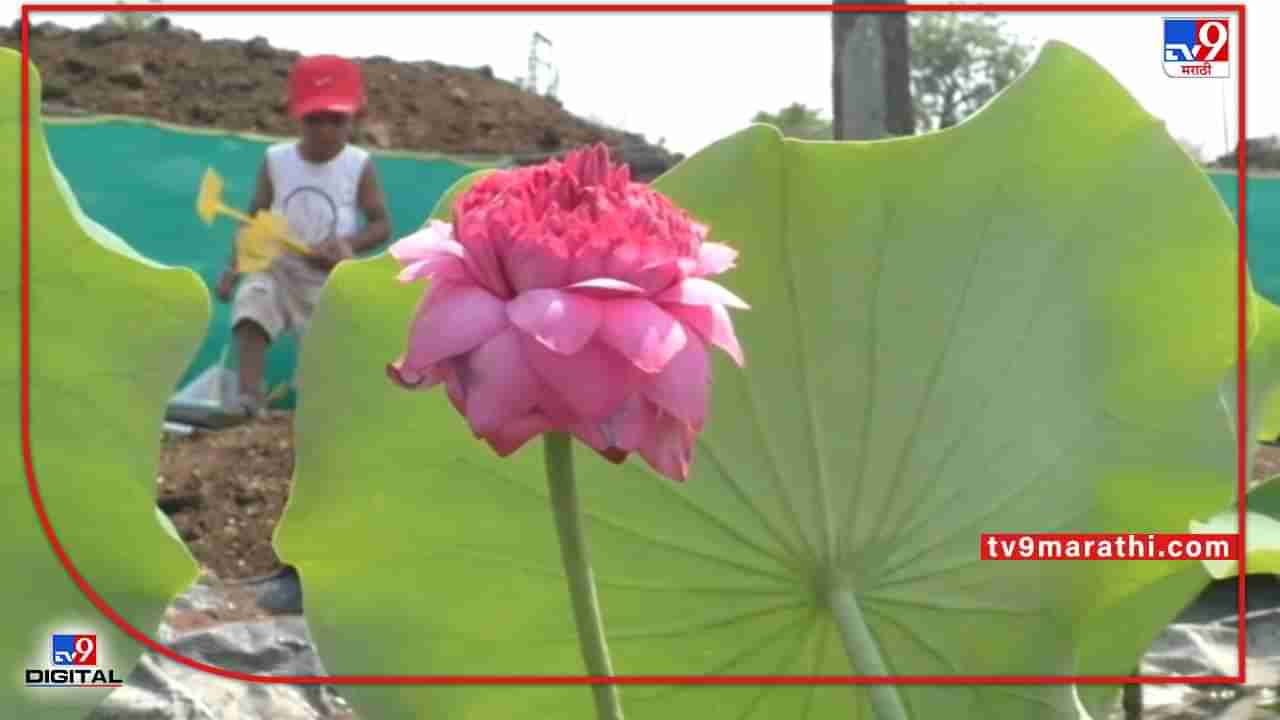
(691, 79)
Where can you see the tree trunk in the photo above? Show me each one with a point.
(871, 75)
(947, 116)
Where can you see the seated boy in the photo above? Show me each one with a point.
(321, 184)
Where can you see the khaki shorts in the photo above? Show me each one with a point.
(281, 300)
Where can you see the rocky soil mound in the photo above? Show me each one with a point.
(175, 75)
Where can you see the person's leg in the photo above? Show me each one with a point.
(256, 319)
(251, 348)
(299, 299)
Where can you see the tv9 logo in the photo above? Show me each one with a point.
(75, 649)
(75, 664)
(1197, 47)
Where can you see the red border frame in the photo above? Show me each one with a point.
(1241, 333)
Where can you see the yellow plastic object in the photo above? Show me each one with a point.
(264, 236)
(209, 201)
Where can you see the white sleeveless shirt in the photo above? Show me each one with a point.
(319, 200)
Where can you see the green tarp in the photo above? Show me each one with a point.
(140, 179)
(1262, 203)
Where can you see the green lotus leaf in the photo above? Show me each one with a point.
(1262, 543)
(1025, 323)
(1262, 536)
(110, 335)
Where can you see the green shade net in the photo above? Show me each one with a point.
(140, 180)
(1262, 205)
(1262, 224)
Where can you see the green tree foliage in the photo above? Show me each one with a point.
(134, 21)
(799, 121)
(958, 63)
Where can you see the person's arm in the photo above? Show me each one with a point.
(373, 203)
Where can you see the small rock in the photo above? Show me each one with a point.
(174, 504)
(133, 102)
(203, 112)
(485, 71)
(54, 91)
(78, 66)
(102, 34)
(549, 139)
(50, 29)
(378, 135)
(130, 75)
(153, 67)
(58, 108)
(460, 95)
(239, 85)
(259, 48)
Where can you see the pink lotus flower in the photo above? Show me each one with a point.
(566, 297)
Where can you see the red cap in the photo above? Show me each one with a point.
(325, 83)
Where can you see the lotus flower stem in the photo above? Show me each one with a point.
(864, 653)
(577, 566)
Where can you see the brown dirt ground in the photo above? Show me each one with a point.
(225, 492)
